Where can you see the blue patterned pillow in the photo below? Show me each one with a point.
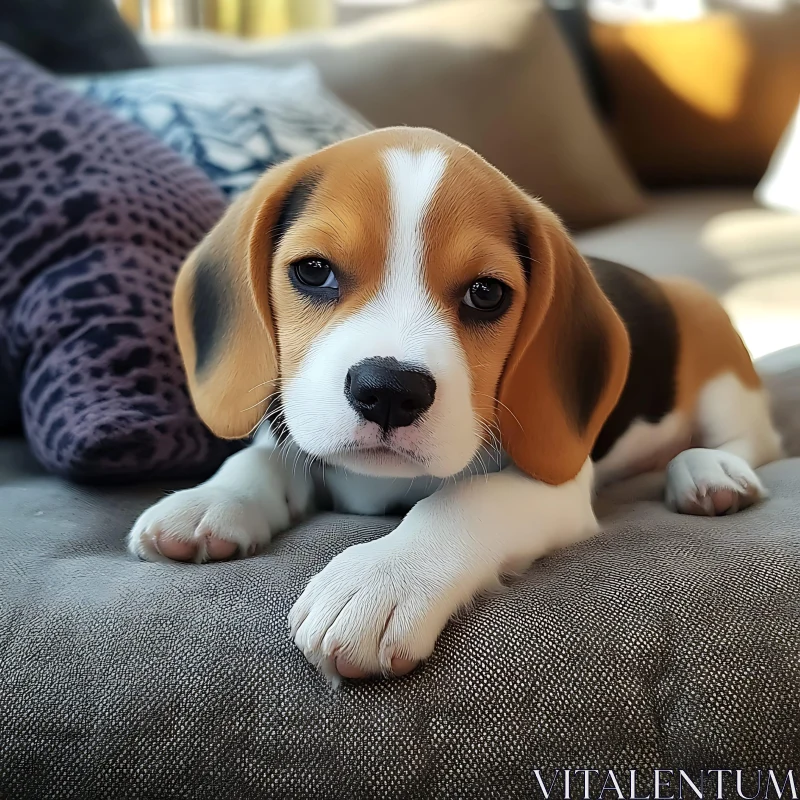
(233, 121)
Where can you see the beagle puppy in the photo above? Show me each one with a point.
(405, 329)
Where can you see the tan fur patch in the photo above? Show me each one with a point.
(709, 345)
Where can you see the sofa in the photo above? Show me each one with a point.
(666, 645)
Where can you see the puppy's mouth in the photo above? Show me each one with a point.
(377, 459)
(381, 451)
(384, 450)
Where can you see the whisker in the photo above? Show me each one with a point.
(265, 400)
(523, 257)
(485, 469)
(494, 440)
(254, 430)
(296, 459)
(500, 403)
(283, 450)
(263, 383)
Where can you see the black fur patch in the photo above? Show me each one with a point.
(585, 365)
(523, 250)
(210, 313)
(292, 207)
(649, 392)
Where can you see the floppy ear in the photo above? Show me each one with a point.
(569, 361)
(221, 304)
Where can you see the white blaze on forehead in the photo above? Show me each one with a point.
(413, 177)
(403, 321)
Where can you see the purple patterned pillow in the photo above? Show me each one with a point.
(95, 217)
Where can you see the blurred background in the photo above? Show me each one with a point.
(660, 130)
(236, 17)
(255, 18)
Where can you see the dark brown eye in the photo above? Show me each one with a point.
(486, 294)
(315, 273)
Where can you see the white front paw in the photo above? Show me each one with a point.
(372, 610)
(711, 483)
(207, 523)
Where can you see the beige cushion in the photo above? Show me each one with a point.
(496, 76)
(750, 256)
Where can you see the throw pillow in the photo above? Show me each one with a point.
(232, 121)
(96, 215)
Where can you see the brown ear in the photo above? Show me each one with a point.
(570, 358)
(221, 305)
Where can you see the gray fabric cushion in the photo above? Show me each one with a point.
(667, 641)
(780, 372)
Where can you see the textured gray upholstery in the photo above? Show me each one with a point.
(667, 641)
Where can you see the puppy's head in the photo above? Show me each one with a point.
(408, 304)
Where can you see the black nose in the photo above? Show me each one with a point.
(389, 393)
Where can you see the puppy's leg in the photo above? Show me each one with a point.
(734, 426)
(255, 494)
(379, 607)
